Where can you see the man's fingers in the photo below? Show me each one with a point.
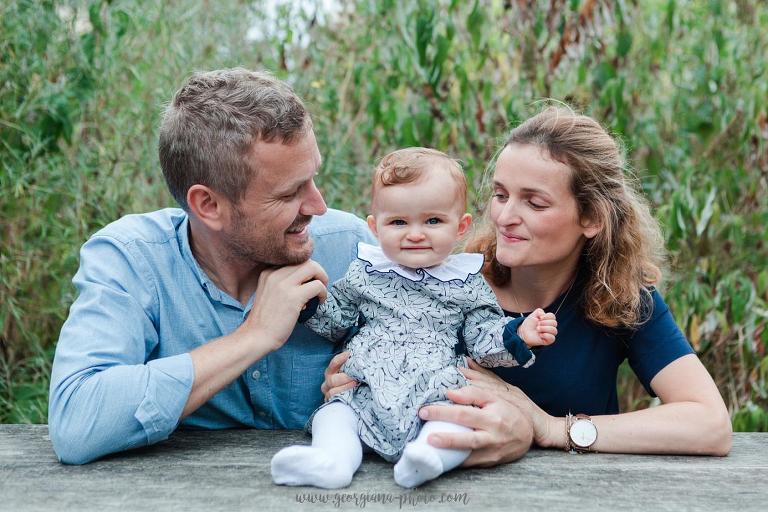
(336, 363)
(307, 271)
(313, 289)
(338, 379)
(340, 389)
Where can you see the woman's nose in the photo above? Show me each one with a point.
(509, 214)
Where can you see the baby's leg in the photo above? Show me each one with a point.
(422, 462)
(333, 458)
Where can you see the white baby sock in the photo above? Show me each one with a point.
(422, 462)
(333, 458)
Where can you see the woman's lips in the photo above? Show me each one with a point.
(511, 238)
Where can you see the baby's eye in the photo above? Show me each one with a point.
(433, 221)
(398, 222)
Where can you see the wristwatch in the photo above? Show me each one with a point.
(580, 432)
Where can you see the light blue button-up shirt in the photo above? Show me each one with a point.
(122, 371)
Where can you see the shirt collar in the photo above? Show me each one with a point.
(457, 267)
(182, 234)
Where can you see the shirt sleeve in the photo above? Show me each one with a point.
(491, 338)
(106, 396)
(657, 342)
(340, 310)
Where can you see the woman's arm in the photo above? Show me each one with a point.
(691, 420)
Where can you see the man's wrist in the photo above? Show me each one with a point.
(258, 340)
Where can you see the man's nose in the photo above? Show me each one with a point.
(313, 204)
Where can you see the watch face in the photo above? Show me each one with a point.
(583, 433)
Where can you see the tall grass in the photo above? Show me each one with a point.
(682, 83)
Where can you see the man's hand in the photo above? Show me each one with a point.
(335, 381)
(281, 295)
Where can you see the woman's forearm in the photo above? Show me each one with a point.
(674, 428)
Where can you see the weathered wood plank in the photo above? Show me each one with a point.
(229, 470)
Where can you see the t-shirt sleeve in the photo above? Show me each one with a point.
(657, 342)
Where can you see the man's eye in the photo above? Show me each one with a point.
(433, 220)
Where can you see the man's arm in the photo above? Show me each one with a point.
(105, 396)
(281, 295)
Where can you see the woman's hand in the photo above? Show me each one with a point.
(545, 427)
(335, 381)
(501, 432)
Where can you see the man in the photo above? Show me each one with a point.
(188, 316)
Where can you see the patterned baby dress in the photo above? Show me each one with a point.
(404, 357)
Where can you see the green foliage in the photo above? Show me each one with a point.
(682, 83)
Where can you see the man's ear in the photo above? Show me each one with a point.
(464, 223)
(372, 225)
(211, 209)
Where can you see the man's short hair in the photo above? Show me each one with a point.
(410, 165)
(209, 129)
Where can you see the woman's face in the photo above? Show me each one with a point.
(534, 211)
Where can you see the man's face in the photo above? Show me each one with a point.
(270, 224)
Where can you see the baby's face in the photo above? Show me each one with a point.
(418, 224)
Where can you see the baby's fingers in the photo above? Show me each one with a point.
(547, 338)
(547, 329)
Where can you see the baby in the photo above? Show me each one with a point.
(417, 298)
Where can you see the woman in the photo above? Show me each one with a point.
(568, 233)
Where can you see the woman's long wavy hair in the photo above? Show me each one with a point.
(624, 260)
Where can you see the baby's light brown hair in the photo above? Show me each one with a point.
(409, 165)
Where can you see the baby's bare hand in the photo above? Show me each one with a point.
(538, 329)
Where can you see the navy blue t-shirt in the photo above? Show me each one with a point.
(577, 373)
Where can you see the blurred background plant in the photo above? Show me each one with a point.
(682, 83)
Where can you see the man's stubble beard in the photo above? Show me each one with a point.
(271, 250)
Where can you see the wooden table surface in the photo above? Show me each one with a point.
(229, 470)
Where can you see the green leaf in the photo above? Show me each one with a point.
(623, 43)
(706, 212)
(475, 22)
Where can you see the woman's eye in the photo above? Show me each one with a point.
(433, 220)
(537, 206)
(500, 197)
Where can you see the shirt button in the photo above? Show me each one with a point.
(256, 374)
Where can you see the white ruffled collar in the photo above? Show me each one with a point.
(457, 267)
